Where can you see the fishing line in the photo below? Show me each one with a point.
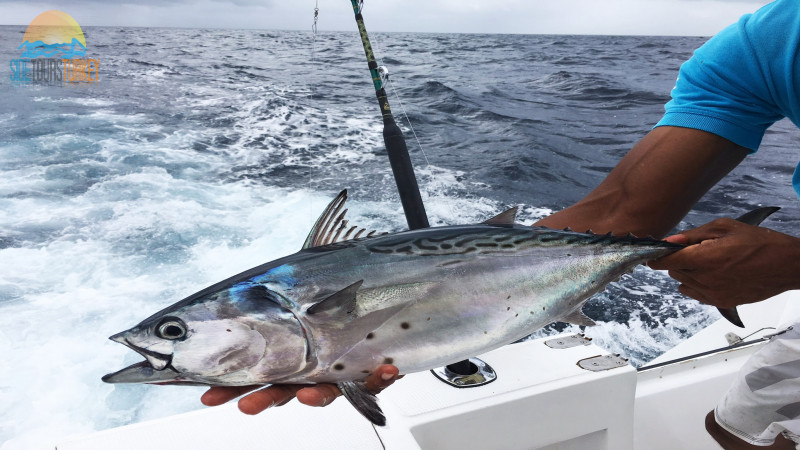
(314, 41)
(388, 81)
(434, 178)
(402, 167)
(311, 87)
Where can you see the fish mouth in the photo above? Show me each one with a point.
(156, 368)
(158, 361)
(142, 372)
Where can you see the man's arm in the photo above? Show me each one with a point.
(654, 185)
(727, 263)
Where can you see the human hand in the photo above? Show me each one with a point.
(730, 263)
(280, 394)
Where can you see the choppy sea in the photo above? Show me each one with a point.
(201, 153)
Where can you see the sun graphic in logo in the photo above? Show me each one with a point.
(53, 34)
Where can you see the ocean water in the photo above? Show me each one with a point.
(201, 153)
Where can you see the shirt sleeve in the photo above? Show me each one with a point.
(733, 85)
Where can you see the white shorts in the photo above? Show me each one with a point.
(764, 400)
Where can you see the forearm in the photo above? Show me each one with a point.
(654, 185)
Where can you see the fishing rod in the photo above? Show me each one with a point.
(406, 180)
(393, 138)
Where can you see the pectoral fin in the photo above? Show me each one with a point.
(363, 401)
(341, 304)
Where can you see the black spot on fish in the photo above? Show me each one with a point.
(543, 308)
(370, 335)
(508, 309)
(516, 315)
(406, 249)
(405, 325)
(338, 366)
(447, 246)
(365, 371)
(388, 360)
(429, 319)
(486, 244)
(507, 246)
(508, 297)
(569, 254)
(228, 330)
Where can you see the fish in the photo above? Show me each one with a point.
(351, 300)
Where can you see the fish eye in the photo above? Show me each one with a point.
(171, 328)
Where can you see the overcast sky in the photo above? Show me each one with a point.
(649, 17)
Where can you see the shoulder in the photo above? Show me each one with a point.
(758, 53)
(743, 79)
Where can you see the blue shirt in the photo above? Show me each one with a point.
(744, 79)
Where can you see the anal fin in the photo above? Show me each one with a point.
(363, 401)
(577, 317)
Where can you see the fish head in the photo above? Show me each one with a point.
(233, 337)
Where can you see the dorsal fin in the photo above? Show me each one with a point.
(331, 223)
(317, 232)
(507, 217)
